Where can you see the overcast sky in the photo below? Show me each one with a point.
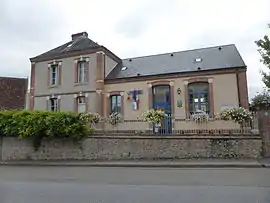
(132, 28)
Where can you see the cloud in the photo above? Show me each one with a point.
(140, 19)
(30, 20)
(24, 25)
(132, 28)
(194, 24)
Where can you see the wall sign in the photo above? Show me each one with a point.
(179, 103)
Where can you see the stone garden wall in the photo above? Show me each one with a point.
(264, 126)
(129, 147)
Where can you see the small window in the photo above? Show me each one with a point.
(116, 103)
(81, 101)
(124, 68)
(197, 60)
(82, 71)
(54, 104)
(53, 74)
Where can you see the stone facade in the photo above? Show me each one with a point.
(135, 147)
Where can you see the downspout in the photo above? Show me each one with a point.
(238, 89)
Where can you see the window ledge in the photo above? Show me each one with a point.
(53, 86)
(81, 83)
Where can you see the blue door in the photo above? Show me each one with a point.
(162, 100)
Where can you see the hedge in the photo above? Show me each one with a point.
(44, 124)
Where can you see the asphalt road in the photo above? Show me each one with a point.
(130, 185)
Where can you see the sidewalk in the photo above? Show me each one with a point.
(202, 163)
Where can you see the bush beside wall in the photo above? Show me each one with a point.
(36, 125)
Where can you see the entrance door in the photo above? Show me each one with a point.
(162, 100)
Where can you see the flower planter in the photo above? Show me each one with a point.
(157, 126)
(155, 117)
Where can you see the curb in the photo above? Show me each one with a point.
(136, 165)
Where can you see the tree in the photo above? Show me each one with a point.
(264, 50)
(261, 101)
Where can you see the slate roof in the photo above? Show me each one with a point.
(218, 57)
(212, 58)
(13, 93)
(78, 44)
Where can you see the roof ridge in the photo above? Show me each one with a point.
(179, 51)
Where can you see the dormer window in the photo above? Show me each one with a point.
(197, 60)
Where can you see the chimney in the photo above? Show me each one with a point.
(77, 35)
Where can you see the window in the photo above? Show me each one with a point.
(198, 94)
(116, 103)
(81, 101)
(53, 74)
(81, 71)
(162, 98)
(124, 68)
(53, 104)
(197, 60)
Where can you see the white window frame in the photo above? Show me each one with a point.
(54, 80)
(81, 104)
(118, 103)
(54, 107)
(81, 71)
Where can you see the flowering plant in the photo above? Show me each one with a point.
(154, 116)
(114, 118)
(237, 114)
(96, 118)
(90, 117)
(200, 116)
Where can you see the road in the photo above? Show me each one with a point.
(130, 185)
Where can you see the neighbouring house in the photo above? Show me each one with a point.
(84, 76)
(13, 93)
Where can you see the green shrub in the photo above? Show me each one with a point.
(261, 101)
(37, 125)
